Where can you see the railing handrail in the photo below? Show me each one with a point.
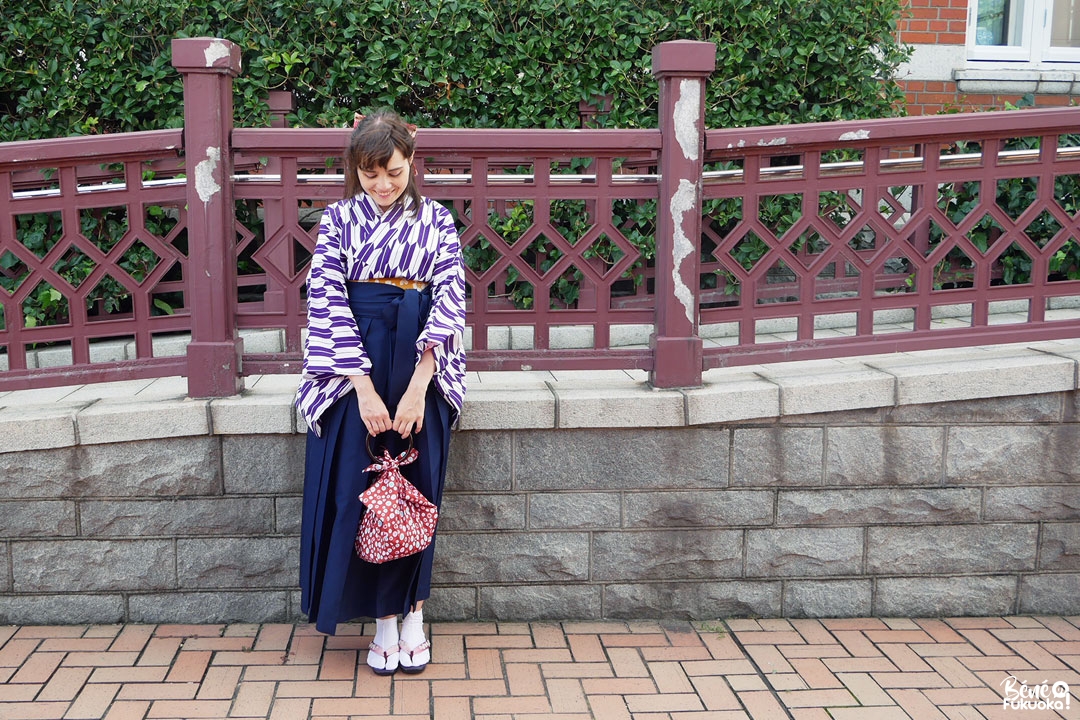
(90, 149)
(494, 142)
(921, 129)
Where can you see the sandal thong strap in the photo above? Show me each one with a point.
(413, 651)
(379, 650)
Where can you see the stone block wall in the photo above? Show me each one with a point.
(954, 508)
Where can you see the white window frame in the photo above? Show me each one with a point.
(1034, 50)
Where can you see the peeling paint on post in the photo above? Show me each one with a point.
(205, 184)
(215, 351)
(216, 51)
(685, 200)
(681, 66)
(687, 111)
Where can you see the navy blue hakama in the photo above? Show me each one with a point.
(336, 585)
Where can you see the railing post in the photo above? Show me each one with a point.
(214, 354)
(681, 67)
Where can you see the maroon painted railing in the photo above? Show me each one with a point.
(894, 224)
(770, 243)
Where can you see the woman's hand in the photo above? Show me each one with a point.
(372, 409)
(409, 417)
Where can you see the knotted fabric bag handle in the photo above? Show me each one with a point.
(386, 453)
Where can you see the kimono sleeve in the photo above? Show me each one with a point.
(445, 325)
(333, 346)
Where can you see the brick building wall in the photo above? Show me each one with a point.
(937, 30)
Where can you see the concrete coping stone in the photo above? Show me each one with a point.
(149, 409)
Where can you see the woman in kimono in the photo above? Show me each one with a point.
(383, 357)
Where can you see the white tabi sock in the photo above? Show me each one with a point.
(386, 633)
(412, 628)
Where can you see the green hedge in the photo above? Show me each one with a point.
(83, 67)
(79, 67)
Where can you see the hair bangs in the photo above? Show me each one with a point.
(375, 148)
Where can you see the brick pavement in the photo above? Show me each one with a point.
(845, 669)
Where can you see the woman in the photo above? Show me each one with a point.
(383, 357)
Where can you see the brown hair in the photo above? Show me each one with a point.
(372, 144)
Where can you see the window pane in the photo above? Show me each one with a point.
(1000, 22)
(1065, 24)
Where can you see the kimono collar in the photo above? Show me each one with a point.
(367, 211)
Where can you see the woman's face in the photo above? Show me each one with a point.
(385, 184)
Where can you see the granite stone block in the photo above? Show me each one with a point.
(731, 395)
(692, 600)
(890, 455)
(1043, 408)
(37, 428)
(629, 459)
(1013, 454)
(479, 462)
(93, 565)
(503, 409)
(777, 456)
(467, 511)
(617, 405)
(812, 386)
(841, 418)
(534, 603)
(43, 474)
(666, 555)
(451, 604)
(248, 563)
(1070, 402)
(960, 549)
(37, 518)
(294, 613)
(1060, 546)
(1050, 594)
(177, 517)
(945, 596)
(263, 464)
(966, 373)
(575, 511)
(67, 609)
(251, 414)
(875, 506)
(699, 508)
(1033, 503)
(511, 557)
(5, 567)
(150, 468)
(804, 552)
(253, 606)
(827, 598)
(288, 514)
(111, 422)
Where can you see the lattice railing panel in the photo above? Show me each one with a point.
(92, 260)
(856, 245)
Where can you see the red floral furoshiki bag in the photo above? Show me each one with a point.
(399, 520)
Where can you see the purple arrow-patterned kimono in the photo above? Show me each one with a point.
(357, 242)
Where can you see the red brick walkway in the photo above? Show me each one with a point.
(851, 669)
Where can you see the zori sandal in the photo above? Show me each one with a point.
(383, 662)
(414, 660)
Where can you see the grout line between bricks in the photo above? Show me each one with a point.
(760, 673)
